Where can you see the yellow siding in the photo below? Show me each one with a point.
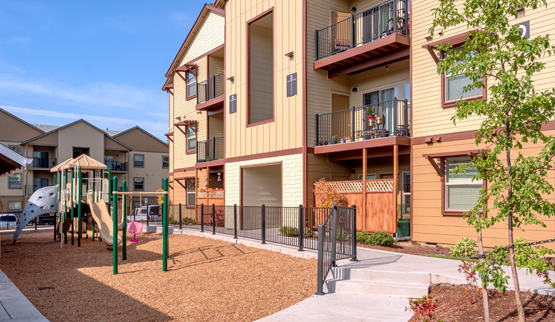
(216, 65)
(429, 117)
(286, 130)
(210, 36)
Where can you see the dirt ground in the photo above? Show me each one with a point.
(409, 247)
(454, 305)
(207, 280)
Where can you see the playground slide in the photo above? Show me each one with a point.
(103, 220)
(43, 201)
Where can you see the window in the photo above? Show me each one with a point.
(109, 161)
(14, 206)
(165, 161)
(461, 193)
(15, 148)
(453, 89)
(190, 194)
(260, 69)
(138, 184)
(14, 181)
(191, 83)
(139, 160)
(191, 138)
(369, 176)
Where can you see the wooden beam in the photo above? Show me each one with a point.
(364, 173)
(370, 63)
(395, 183)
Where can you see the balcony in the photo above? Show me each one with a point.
(31, 188)
(368, 39)
(210, 93)
(43, 163)
(210, 150)
(116, 166)
(384, 124)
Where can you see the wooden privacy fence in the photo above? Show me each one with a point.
(380, 210)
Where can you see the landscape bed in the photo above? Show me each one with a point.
(207, 279)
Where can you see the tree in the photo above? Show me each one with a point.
(512, 116)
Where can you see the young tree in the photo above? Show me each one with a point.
(512, 116)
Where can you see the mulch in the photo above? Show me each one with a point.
(454, 305)
(207, 280)
(409, 247)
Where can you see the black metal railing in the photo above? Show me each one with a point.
(210, 150)
(43, 163)
(390, 118)
(9, 220)
(385, 19)
(116, 165)
(210, 88)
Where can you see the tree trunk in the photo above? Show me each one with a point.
(484, 291)
(519, 306)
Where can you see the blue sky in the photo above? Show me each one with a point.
(103, 61)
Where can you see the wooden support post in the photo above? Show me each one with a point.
(207, 185)
(395, 184)
(364, 175)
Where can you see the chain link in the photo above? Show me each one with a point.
(480, 256)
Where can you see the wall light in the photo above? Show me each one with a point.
(354, 90)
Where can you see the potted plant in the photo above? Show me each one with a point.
(348, 139)
(379, 120)
(343, 140)
(370, 116)
(360, 137)
(333, 140)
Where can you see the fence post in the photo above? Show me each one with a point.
(201, 217)
(316, 45)
(213, 148)
(301, 228)
(197, 150)
(213, 219)
(146, 204)
(36, 222)
(180, 218)
(263, 224)
(406, 118)
(319, 287)
(353, 124)
(235, 221)
(334, 234)
(354, 242)
(352, 31)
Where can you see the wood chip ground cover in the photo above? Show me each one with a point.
(208, 280)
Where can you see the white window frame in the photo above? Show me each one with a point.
(190, 138)
(191, 83)
(10, 209)
(134, 161)
(479, 184)
(20, 181)
(135, 184)
(168, 163)
(188, 193)
(446, 89)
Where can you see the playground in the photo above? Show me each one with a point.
(207, 279)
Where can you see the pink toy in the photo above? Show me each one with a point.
(135, 228)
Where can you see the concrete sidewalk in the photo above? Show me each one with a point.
(14, 305)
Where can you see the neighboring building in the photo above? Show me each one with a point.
(358, 102)
(48, 146)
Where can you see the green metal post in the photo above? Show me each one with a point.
(115, 226)
(72, 208)
(124, 221)
(80, 193)
(65, 210)
(55, 183)
(165, 227)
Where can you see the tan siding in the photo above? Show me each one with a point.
(216, 125)
(319, 167)
(286, 130)
(210, 36)
(110, 144)
(83, 136)
(261, 69)
(216, 65)
(12, 129)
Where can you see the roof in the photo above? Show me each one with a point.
(143, 130)
(46, 128)
(111, 132)
(84, 161)
(71, 124)
(191, 35)
(11, 160)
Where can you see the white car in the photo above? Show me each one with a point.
(140, 214)
(8, 221)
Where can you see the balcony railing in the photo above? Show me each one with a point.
(210, 88)
(210, 150)
(43, 163)
(116, 165)
(385, 19)
(386, 119)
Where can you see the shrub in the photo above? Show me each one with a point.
(362, 237)
(289, 231)
(464, 248)
(307, 232)
(189, 221)
(381, 239)
(423, 308)
(341, 234)
(173, 222)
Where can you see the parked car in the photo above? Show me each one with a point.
(46, 220)
(140, 214)
(8, 221)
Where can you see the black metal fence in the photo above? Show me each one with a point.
(210, 150)
(389, 118)
(116, 165)
(9, 220)
(387, 18)
(43, 163)
(210, 88)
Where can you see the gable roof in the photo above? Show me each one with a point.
(71, 124)
(138, 128)
(191, 35)
(21, 120)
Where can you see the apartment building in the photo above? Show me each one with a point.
(335, 89)
(133, 155)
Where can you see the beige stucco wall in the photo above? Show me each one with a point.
(83, 136)
(285, 132)
(262, 185)
(152, 172)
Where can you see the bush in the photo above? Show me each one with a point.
(289, 231)
(189, 221)
(341, 234)
(464, 248)
(308, 232)
(173, 222)
(381, 239)
(362, 237)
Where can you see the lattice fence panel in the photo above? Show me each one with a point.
(379, 185)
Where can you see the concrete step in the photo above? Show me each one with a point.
(405, 278)
(377, 288)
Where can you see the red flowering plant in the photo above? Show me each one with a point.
(370, 112)
(471, 289)
(423, 308)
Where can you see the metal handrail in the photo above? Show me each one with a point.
(210, 150)
(211, 88)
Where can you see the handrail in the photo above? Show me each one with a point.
(211, 88)
(210, 150)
